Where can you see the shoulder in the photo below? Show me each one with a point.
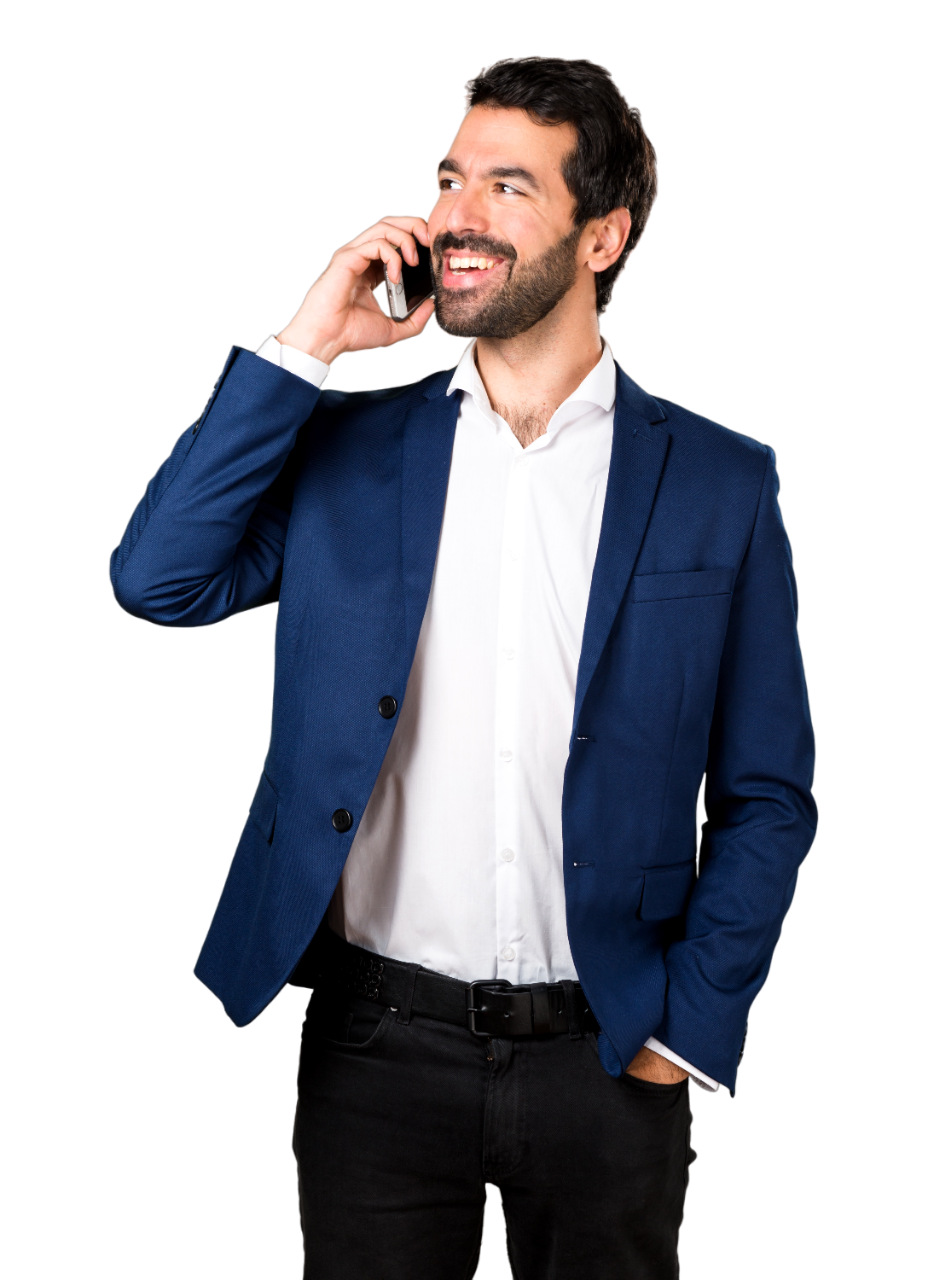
(688, 430)
(387, 401)
(694, 428)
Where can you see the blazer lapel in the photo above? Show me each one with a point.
(428, 436)
(636, 462)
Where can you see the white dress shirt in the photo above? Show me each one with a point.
(457, 861)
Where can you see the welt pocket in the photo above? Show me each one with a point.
(263, 811)
(681, 586)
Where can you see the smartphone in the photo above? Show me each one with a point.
(416, 284)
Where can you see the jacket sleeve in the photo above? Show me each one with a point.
(760, 812)
(207, 539)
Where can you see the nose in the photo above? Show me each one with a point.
(467, 214)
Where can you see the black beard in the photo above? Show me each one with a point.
(532, 289)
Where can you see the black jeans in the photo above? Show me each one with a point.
(399, 1127)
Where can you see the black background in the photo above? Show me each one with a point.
(229, 202)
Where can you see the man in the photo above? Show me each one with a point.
(523, 607)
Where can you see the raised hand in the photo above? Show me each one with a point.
(339, 313)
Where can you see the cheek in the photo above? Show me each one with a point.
(437, 219)
(526, 232)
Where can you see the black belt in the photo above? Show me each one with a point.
(492, 1008)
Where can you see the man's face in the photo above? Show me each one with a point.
(504, 244)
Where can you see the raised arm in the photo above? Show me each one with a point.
(207, 539)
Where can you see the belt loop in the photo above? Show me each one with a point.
(570, 1004)
(405, 1008)
(541, 1009)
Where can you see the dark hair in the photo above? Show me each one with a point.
(612, 165)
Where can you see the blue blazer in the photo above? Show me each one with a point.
(331, 504)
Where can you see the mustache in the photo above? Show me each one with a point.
(485, 245)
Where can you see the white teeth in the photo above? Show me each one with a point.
(470, 264)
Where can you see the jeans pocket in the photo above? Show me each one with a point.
(347, 1023)
(654, 1087)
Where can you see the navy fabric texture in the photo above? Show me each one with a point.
(331, 504)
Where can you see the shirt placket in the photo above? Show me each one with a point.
(509, 764)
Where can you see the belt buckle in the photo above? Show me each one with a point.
(474, 1010)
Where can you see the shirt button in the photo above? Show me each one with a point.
(342, 820)
(523, 462)
(513, 553)
(509, 654)
(507, 855)
(387, 707)
(508, 953)
(506, 756)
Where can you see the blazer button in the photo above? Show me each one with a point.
(342, 820)
(387, 707)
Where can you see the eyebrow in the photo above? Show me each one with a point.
(501, 171)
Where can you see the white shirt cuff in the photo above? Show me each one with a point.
(705, 1082)
(304, 366)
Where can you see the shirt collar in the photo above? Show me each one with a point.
(598, 388)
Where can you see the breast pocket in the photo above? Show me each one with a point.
(647, 587)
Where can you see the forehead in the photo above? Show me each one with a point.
(505, 137)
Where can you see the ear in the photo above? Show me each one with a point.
(608, 238)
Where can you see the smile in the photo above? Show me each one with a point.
(463, 270)
(471, 264)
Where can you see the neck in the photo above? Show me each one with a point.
(529, 376)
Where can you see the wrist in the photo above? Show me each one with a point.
(311, 342)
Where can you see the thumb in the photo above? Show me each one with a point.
(414, 324)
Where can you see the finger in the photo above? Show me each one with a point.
(360, 257)
(416, 226)
(414, 324)
(405, 241)
(398, 236)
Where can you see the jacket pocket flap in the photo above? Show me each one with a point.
(666, 891)
(678, 586)
(264, 808)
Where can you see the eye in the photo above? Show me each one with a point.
(445, 184)
(508, 190)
